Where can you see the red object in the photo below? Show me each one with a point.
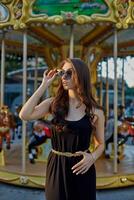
(47, 131)
(131, 129)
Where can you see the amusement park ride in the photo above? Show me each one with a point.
(93, 30)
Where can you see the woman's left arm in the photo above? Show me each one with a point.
(89, 158)
(99, 134)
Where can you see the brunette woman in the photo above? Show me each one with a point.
(70, 172)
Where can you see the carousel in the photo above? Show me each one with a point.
(94, 31)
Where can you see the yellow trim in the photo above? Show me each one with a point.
(21, 18)
(2, 158)
(27, 180)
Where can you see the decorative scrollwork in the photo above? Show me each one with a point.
(82, 19)
(69, 15)
(132, 9)
(122, 12)
(6, 1)
(122, 8)
(24, 180)
(18, 9)
(123, 179)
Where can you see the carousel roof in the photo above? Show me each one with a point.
(49, 25)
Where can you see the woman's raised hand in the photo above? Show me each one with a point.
(48, 77)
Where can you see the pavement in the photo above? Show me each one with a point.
(19, 193)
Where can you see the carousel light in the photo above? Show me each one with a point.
(10, 27)
(93, 24)
(39, 24)
(32, 24)
(53, 25)
(64, 24)
(46, 25)
(101, 23)
(107, 23)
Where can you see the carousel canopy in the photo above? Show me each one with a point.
(48, 24)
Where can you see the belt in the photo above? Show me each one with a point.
(67, 154)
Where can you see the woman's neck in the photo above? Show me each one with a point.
(72, 95)
(73, 98)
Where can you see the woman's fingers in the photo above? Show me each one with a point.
(45, 72)
(82, 166)
(83, 170)
(77, 165)
(79, 169)
(50, 73)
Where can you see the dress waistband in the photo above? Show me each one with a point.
(67, 154)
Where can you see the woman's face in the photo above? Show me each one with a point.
(67, 75)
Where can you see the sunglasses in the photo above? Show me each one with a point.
(67, 74)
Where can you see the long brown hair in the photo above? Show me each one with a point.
(60, 105)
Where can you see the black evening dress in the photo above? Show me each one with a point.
(61, 183)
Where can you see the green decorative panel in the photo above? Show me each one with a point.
(83, 7)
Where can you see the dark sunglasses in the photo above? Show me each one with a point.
(67, 74)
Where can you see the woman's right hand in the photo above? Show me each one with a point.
(48, 77)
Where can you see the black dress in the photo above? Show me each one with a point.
(61, 183)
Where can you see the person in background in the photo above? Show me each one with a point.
(40, 134)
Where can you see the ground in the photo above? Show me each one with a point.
(14, 192)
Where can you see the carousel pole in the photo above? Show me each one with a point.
(123, 83)
(36, 72)
(71, 49)
(24, 100)
(107, 94)
(115, 100)
(2, 159)
(101, 86)
(2, 70)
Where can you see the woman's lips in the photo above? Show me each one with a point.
(64, 83)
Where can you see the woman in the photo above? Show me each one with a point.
(70, 169)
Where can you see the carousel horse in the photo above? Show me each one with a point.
(125, 130)
(6, 123)
(41, 131)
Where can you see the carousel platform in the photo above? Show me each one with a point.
(34, 175)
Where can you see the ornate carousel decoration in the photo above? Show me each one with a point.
(5, 123)
(4, 13)
(122, 12)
